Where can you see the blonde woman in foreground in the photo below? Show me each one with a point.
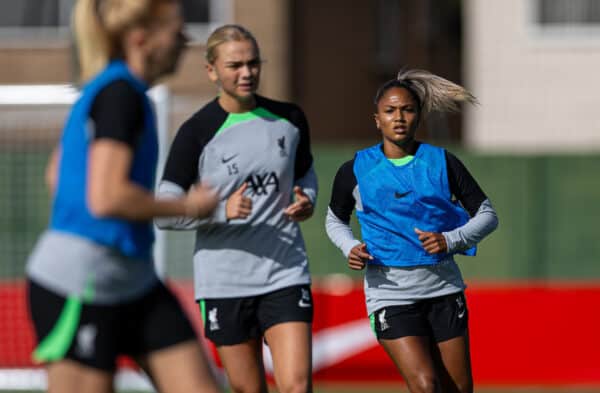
(93, 290)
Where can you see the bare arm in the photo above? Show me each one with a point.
(51, 174)
(110, 193)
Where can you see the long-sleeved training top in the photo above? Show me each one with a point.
(387, 286)
(269, 149)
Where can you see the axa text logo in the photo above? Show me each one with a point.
(263, 184)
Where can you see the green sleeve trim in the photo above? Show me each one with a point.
(372, 321)
(202, 305)
(256, 113)
(56, 344)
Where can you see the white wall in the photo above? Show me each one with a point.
(538, 92)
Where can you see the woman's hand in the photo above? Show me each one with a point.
(358, 257)
(302, 208)
(238, 205)
(433, 243)
(200, 201)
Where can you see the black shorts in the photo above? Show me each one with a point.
(440, 318)
(94, 335)
(230, 321)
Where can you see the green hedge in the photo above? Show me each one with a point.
(548, 208)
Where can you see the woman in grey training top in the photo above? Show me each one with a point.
(250, 266)
(93, 290)
(403, 191)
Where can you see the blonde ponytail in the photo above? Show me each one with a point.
(92, 44)
(434, 92)
(99, 26)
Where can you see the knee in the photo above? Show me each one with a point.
(424, 383)
(295, 385)
(464, 386)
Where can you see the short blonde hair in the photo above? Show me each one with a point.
(224, 34)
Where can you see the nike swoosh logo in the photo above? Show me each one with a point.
(226, 160)
(303, 304)
(461, 314)
(335, 344)
(399, 195)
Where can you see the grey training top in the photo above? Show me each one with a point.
(269, 149)
(72, 265)
(388, 286)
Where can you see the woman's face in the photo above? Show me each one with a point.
(397, 116)
(165, 40)
(236, 69)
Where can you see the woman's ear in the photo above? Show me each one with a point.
(137, 36)
(376, 117)
(212, 73)
(135, 39)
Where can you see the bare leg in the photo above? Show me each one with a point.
(412, 356)
(291, 348)
(453, 362)
(244, 366)
(67, 376)
(181, 368)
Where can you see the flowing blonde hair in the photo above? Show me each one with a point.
(99, 25)
(432, 92)
(224, 34)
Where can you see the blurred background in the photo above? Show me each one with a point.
(533, 145)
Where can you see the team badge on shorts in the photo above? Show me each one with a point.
(304, 301)
(383, 323)
(86, 339)
(213, 322)
(461, 307)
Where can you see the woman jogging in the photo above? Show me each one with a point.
(93, 290)
(250, 266)
(403, 191)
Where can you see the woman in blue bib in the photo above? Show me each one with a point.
(417, 206)
(93, 291)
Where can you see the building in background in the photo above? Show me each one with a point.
(343, 51)
(35, 45)
(326, 55)
(534, 65)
